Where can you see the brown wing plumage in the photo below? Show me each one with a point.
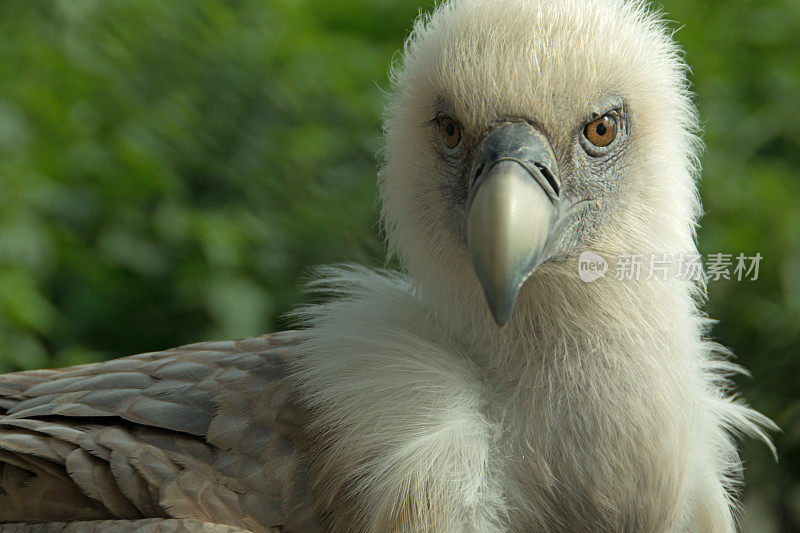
(204, 432)
(148, 525)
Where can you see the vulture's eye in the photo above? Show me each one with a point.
(601, 131)
(450, 130)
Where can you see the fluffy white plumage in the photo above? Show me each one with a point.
(601, 406)
(402, 406)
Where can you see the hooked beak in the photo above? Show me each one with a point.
(512, 211)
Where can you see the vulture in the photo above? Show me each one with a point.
(486, 387)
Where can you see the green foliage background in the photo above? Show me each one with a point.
(169, 171)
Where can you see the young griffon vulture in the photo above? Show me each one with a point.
(490, 388)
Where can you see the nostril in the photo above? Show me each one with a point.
(478, 172)
(548, 176)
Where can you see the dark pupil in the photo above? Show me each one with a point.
(601, 129)
(450, 129)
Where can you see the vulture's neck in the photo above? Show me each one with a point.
(433, 385)
(559, 316)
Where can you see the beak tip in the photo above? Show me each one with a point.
(501, 324)
(502, 308)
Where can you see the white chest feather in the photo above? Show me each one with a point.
(413, 430)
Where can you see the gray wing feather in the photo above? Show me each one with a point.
(205, 431)
(126, 526)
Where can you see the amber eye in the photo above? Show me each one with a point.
(450, 130)
(601, 131)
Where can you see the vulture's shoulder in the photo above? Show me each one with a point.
(207, 431)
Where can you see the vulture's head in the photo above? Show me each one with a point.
(523, 132)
